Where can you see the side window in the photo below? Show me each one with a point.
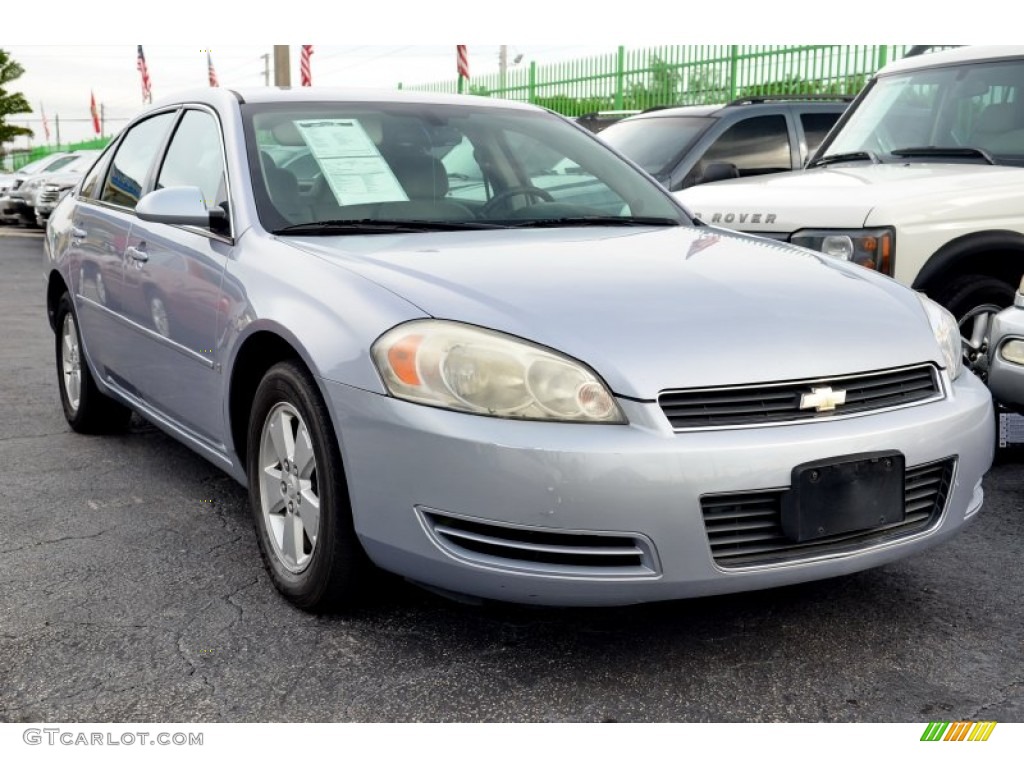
(816, 125)
(90, 188)
(755, 145)
(194, 158)
(133, 159)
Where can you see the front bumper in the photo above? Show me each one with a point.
(16, 208)
(413, 469)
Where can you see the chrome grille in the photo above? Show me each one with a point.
(780, 401)
(746, 528)
(48, 196)
(541, 550)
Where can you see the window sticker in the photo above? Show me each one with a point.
(351, 164)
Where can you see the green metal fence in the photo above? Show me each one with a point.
(682, 74)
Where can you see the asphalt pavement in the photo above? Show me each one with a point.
(131, 590)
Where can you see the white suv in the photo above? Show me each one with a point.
(922, 179)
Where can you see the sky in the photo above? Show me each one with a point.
(397, 42)
(109, 72)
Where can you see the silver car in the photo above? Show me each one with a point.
(556, 393)
(1002, 349)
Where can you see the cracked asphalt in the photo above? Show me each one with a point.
(131, 590)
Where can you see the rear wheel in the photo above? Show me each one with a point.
(86, 408)
(298, 496)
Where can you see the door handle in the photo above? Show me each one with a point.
(78, 233)
(136, 253)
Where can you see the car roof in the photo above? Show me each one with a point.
(957, 55)
(755, 104)
(223, 97)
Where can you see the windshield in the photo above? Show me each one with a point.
(975, 106)
(478, 166)
(656, 144)
(82, 161)
(55, 164)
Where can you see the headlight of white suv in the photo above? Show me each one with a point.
(465, 368)
(947, 333)
(871, 248)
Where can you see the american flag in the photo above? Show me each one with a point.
(210, 71)
(147, 87)
(46, 123)
(94, 112)
(307, 74)
(462, 56)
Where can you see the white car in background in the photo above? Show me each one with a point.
(20, 202)
(11, 181)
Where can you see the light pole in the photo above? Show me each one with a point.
(282, 66)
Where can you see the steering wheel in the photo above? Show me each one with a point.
(501, 199)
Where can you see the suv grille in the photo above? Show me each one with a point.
(746, 528)
(541, 550)
(48, 196)
(780, 402)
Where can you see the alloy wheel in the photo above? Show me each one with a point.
(289, 487)
(71, 362)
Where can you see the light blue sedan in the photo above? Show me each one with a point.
(491, 375)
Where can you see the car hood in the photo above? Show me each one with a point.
(653, 309)
(62, 178)
(843, 196)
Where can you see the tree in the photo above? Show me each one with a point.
(662, 86)
(11, 103)
(706, 86)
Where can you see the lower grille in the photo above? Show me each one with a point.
(541, 550)
(746, 528)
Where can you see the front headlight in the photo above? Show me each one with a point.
(871, 248)
(465, 368)
(947, 333)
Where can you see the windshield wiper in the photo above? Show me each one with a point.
(597, 221)
(845, 157)
(944, 152)
(380, 226)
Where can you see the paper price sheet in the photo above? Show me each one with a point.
(351, 164)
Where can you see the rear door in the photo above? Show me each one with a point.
(102, 220)
(812, 126)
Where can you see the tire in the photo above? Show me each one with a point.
(86, 409)
(974, 300)
(969, 292)
(299, 498)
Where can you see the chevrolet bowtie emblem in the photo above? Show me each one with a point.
(822, 399)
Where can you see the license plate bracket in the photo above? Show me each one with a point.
(843, 494)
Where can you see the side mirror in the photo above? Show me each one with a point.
(719, 172)
(181, 206)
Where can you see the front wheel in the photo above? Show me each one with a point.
(298, 495)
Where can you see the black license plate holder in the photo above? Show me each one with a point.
(844, 494)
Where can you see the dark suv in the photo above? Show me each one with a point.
(683, 146)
